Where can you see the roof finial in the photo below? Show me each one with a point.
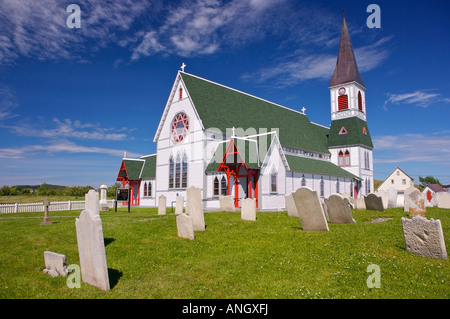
(182, 67)
(343, 12)
(233, 132)
(303, 110)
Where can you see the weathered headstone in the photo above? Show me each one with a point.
(248, 209)
(227, 203)
(179, 205)
(339, 210)
(91, 247)
(384, 197)
(405, 198)
(325, 209)
(424, 237)
(91, 201)
(309, 209)
(373, 202)
(290, 205)
(185, 227)
(162, 205)
(46, 220)
(392, 197)
(194, 207)
(103, 201)
(55, 264)
(360, 203)
(443, 200)
(416, 203)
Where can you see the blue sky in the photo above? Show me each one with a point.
(73, 100)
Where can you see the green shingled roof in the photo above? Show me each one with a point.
(355, 136)
(149, 170)
(221, 107)
(133, 168)
(314, 166)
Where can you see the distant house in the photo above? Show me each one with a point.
(446, 187)
(398, 179)
(431, 189)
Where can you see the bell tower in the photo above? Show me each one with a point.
(349, 139)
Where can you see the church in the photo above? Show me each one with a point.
(228, 142)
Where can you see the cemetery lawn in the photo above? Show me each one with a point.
(270, 258)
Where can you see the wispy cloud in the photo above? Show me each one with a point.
(58, 147)
(8, 103)
(70, 129)
(419, 97)
(203, 27)
(412, 148)
(38, 29)
(306, 66)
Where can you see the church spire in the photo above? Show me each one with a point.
(346, 68)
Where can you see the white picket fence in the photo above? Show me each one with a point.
(54, 206)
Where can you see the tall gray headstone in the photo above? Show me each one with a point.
(416, 203)
(290, 205)
(179, 205)
(248, 210)
(373, 202)
(91, 248)
(309, 209)
(185, 228)
(384, 197)
(194, 207)
(92, 201)
(103, 203)
(424, 237)
(339, 210)
(392, 197)
(162, 205)
(405, 198)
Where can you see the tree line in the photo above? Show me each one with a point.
(53, 190)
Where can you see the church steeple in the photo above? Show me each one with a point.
(346, 68)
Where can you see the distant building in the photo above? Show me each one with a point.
(398, 179)
(431, 189)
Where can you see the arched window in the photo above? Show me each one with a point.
(303, 180)
(149, 192)
(338, 186)
(342, 102)
(273, 182)
(216, 186)
(322, 187)
(184, 172)
(181, 93)
(145, 190)
(347, 158)
(223, 185)
(341, 158)
(360, 107)
(171, 171)
(178, 172)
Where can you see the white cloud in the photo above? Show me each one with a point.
(419, 97)
(57, 147)
(8, 103)
(412, 148)
(69, 129)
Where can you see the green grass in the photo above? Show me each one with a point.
(270, 258)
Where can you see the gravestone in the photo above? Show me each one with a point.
(162, 205)
(443, 200)
(46, 220)
(91, 201)
(384, 197)
(227, 203)
(392, 197)
(194, 207)
(248, 209)
(373, 202)
(91, 246)
(405, 196)
(339, 210)
(360, 203)
(179, 205)
(310, 210)
(185, 228)
(103, 201)
(55, 264)
(416, 203)
(325, 209)
(290, 205)
(424, 237)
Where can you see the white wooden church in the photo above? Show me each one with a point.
(227, 142)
